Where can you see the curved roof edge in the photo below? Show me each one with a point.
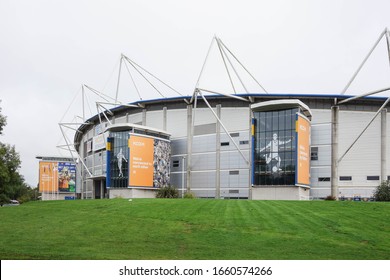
(282, 104)
(318, 95)
(185, 99)
(121, 126)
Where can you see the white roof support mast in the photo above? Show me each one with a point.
(198, 92)
(336, 160)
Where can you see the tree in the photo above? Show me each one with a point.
(12, 185)
(382, 192)
(3, 121)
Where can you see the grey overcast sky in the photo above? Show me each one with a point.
(50, 48)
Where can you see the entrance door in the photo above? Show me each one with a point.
(97, 189)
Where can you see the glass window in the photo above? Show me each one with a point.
(323, 179)
(119, 166)
(275, 148)
(314, 153)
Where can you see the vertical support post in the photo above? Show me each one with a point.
(165, 118)
(144, 117)
(189, 145)
(253, 153)
(83, 102)
(335, 151)
(182, 177)
(218, 156)
(383, 145)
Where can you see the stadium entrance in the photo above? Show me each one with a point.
(281, 150)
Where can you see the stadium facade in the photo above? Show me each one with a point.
(245, 146)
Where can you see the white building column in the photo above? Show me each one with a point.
(335, 152)
(383, 145)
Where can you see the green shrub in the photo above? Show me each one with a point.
(4, 199)
(167, 192)
(382, 192)
(189, 195)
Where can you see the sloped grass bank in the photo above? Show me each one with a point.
(195, 229)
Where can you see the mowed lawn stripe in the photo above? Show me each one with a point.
(195, 229)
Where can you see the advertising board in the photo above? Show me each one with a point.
(302, 175)
(57, 176)
(149, 164)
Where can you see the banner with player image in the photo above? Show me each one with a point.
(149, 164)
(66, 177)
(48, 176)
(57, 176)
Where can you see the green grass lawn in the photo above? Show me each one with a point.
(195, 229)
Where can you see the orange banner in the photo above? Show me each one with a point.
(48, 176)
(141, 167)
(303, 151)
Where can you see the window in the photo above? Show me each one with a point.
(234, 172)
(314, 153)
(225, 143)
(275, 149)
(119, 167)
(176, 163)
(373, 178)
(246, 142)
(345, 178)
(89, 146)
(323, 179)
(235, 134)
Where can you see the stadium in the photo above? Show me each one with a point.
(265, 146)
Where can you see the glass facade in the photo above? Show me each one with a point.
(275, 147)
(119, 167)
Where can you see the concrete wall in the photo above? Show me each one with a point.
(132, 193)
(280, 193)
(57, 196)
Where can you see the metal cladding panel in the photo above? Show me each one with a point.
(205, 143)
(203, 162)
(155, 119)
(320, 192)
(235, 181)
(364, 157)
(320, 116)
(203, 116)
(321, 134)
(121, 120)
(90, 133)
(320, 172)
(234, 160)
(203, 129)
(179, 146)
(388, 144)
(177, 123)
(135, 118)
(203, 180)
(324, 156)
(235, 119)
(177, 179)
